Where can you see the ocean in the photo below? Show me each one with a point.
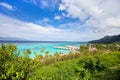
(36, 46)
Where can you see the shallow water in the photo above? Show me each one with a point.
(36, 47)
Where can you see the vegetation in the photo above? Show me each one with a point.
(92, 62)
(107, 39)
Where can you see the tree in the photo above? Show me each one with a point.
(41, 50)
(47, 54)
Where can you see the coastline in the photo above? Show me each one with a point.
(60, 47)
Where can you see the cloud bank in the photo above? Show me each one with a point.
(10, 27)
(98, 14)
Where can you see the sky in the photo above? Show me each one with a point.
(59, 20)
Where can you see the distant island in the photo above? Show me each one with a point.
(11, 39)
(107, 39)
(21, 40)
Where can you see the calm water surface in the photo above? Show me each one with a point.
(36, 47)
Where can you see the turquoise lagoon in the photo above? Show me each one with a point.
(37, 46)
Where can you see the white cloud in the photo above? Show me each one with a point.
(57, 17)
(10, 27)
(61, 7)
(16, 28)
(46, 20)
(105, 24)
(102, 14)
(44, 3)
(7, 6)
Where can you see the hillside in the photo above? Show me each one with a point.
(107, 39)
(84, 65)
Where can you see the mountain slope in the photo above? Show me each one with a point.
(10, 39)
(107, 39)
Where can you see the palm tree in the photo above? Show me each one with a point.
(28, 51)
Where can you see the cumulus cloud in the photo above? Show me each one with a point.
(61, 7)
(7, 6)
(98, 14)
(57, 17)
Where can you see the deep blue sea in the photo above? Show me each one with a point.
(45, 45)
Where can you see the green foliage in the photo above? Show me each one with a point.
(99, 65)
(41, 50)
(84, 49)
(12, 66)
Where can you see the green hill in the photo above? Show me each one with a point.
(107, 39)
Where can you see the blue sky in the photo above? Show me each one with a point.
(59, 20)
